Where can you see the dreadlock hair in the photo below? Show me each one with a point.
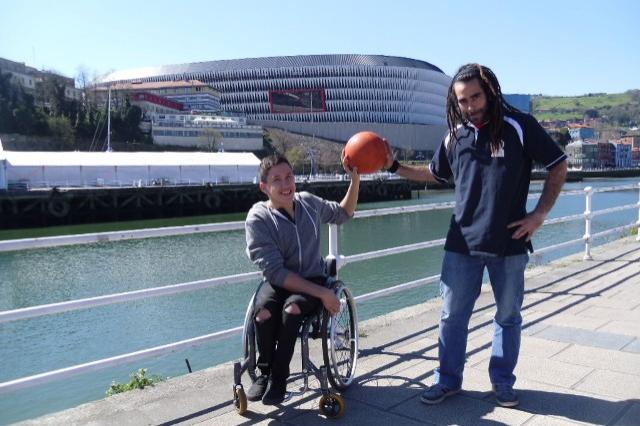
(271, 161)
(496, 104)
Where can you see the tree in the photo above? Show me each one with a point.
(297, 156)
(211, 138)
(60, 127)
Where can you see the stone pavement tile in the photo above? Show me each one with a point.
(384, 391)
(426, 348)
(598, 339)
(188, 407)
(616, 302)
(549, 421)
(387, 364)
(358, 413)
(602, 359)
(464, 409)
(633, 347)
(631, 416)
(234, 419)
(546, 370)
(540, 348)
(619, 385)
(575, 321)
(608, 313)
(568, 405)
(99, 412)
(571, 304)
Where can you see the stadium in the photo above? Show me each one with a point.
(327, 96)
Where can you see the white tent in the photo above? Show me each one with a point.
(81, 169)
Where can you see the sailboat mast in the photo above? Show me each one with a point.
(109, 123)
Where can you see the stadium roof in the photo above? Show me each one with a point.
(269, 62)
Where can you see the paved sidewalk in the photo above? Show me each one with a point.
(579, 363)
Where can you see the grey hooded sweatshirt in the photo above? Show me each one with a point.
(278, 245)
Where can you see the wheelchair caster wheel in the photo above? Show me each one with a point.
(332, 405)
(239, 399)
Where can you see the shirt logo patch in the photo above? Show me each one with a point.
(500, 152)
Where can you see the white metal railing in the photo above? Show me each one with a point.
(334, 252)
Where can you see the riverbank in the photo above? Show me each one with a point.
(580, 362)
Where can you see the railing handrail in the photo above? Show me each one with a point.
(97, 237)
(34, 311)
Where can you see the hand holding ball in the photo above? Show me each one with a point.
(366, 151)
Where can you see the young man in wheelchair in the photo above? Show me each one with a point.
(283, 239)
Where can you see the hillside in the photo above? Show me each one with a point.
(621, 109)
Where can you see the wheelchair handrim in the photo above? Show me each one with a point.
(345, 380)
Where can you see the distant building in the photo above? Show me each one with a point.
(167, 96)
(606, 155)
(633, 140)
(622, 155)
(582, 155)
(635, 157)
(580, 132)
(28, 77)
(214, 133)
(522, 102)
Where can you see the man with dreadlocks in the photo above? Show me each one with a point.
(488, 152)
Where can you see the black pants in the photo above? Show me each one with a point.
(276, 337)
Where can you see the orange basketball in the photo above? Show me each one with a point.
(366, 151)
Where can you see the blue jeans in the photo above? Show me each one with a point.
(460, 284)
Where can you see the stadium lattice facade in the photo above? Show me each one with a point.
(329, 96)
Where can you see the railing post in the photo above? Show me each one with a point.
(588, 192)
(334, 248)
(638, 223)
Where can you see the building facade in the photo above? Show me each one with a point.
(28, 77)
(211, 133)
(622, 155)
(582, 155)
(522, 102)
(330, 96)
(579, 132)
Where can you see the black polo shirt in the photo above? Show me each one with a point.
(491, 188)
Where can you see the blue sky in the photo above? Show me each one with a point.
(550, 47)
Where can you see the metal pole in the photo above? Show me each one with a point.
(109, 123)
(334, 247)
(638, 223)
(588, 191)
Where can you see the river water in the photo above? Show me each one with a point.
(40, 276)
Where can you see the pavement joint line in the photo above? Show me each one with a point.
(629, 344)
(583, 379)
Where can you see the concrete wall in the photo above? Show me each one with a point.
(414, 136)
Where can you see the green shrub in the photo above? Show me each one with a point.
(139, 380)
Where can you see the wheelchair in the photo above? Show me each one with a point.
(339, 337)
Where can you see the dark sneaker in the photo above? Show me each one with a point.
(505, 395)
(276, 391)
(437, 393)
(258, 388)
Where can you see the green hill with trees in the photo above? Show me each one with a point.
(620, 109)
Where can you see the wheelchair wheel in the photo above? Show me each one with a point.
(340, 341)
(332, 405)
(249, 340)
(240, 399)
